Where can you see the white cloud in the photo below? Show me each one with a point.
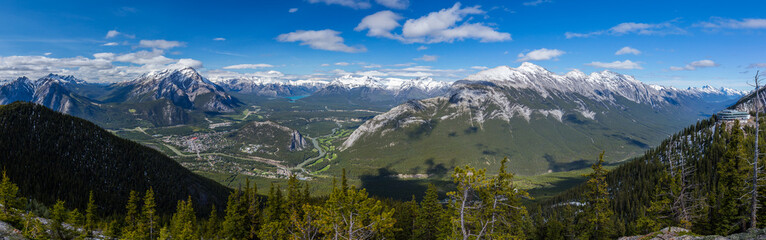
(292, 10)
(627, 64)
(746, 23)
(355, 4)
(219, 39)
(540, 54)
(446, 25)
(115, 33)
(395, 4)
(155, 57)
(249, 66)
(105, 55)
(665, 28)
(160, 44)
(110, 44)
(342, 64)
(427, 58)
(186, 62)
(535, 2)
(627, 50)
(322, 39)
(757, 65)
(47, 54)
(706, 63)
(479, 67)
(325, 65)
(372, 66)
(380, 24)
(421, 48)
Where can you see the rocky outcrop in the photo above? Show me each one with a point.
(676, 233)
(297, 142)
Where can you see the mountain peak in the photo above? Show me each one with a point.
(531, 67)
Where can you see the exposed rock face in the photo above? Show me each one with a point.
(297, 142)
(51, 91)
(185, 87)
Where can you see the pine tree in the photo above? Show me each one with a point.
(252, 204)
(150, 218)
(183, 225)
(212, 226)
(275, 216)
(235, 226)
(8, 196)
(405, 214)
(351, 214)
(732, 177)
(58, 217)
(430, 223)
(598, 212)
(90, 214)
(131, 230)
(486, 207)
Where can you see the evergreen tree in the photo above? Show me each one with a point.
(90, 214)
(732, 178)
(430, 223)
(598, 212)
(183, 225)
(212, 226)
(275, 216)
(150, 218)
(58, 217)
(235, 226)
(405, 214)
(486, 207)
(351, 214)
(132, 230)
(252, 204)
(8, 197)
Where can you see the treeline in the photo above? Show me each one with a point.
(481, 207)
(699, 179)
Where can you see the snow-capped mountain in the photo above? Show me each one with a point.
(270, 87)
(541, 120)
(184, 87)
(51, 91)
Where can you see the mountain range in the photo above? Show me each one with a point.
(542, 121)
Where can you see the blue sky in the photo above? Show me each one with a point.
(675, 43)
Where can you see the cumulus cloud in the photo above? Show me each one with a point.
(47, 54)
(154, 57)
(746, 23)
(395, 4)
(446, 25)
(479, 67)
(110, 44)
(219, 39)
(327, 39)
(249, 66)
(186, 62)
(380, 24)
(160, 44)
(292, 10)
(355, 4)
(665, 28)
(342, 64)
(627, 50)
(695, 65)
(540, 55)
(627, 64)
(325, 65)
(427, 58)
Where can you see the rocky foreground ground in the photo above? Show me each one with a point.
(675, 233)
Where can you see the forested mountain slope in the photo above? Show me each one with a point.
(700, 179)
(54, 156)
